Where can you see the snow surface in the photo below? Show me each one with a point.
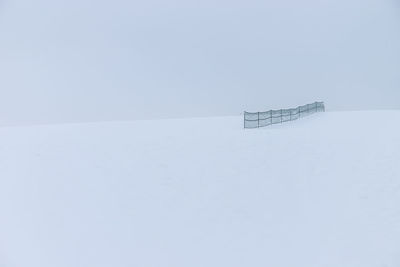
(321, 191)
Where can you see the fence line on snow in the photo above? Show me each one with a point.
(262, 119)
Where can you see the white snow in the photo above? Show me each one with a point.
(321, 191)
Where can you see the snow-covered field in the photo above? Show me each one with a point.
(323, 191)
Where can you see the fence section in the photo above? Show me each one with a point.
(262, 119)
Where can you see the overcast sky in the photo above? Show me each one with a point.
(89, 60)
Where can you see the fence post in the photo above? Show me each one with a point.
(281, 115)
(258, 119)
(270, 115)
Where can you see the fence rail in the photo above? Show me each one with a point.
(262, 119)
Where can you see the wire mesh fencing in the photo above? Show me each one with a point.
(262, 119)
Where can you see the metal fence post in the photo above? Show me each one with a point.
(258, 119)
(270, 115)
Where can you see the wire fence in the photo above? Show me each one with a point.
(262, 119)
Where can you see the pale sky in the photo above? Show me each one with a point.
(93, 60)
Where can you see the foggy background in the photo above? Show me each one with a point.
(91, 60)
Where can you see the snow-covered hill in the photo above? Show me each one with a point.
(321, 191)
